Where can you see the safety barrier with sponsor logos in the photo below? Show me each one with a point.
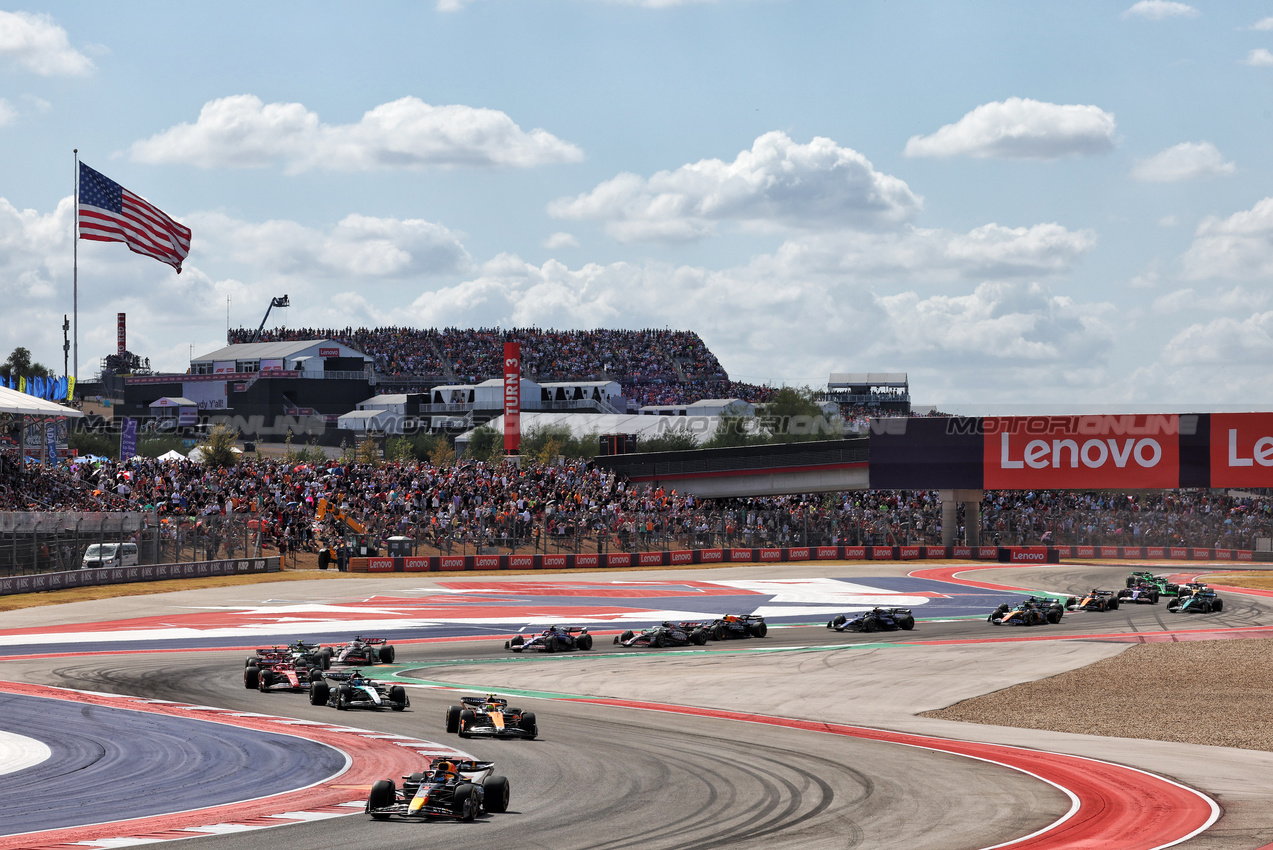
(1004, 554)
(123, 575)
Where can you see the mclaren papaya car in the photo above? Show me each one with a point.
(1035, 611)
(1093, 600)
(462, 789)
(490, 717)
(552, 639)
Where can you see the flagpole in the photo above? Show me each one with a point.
(75, 267)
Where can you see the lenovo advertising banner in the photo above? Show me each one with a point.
(1077, 452)
(1242, 450)
(512, 397)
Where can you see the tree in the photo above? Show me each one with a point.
(367, 452)
(218, 449)
(672, 441)
(442, 456)
(19, 365)
(793, 415)
(485, 444)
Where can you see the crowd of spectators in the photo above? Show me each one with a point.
(653, 366)
(470, 505)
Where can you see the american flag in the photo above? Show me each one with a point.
(110, 213)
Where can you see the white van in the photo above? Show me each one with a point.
(110, 555)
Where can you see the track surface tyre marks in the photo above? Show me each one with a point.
(111, 764)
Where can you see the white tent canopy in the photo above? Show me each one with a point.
(12, 401)
(172, 454)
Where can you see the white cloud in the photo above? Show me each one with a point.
(7, 113)
(1023, 129)
(818, 185)
(358, 247)
(1259, 58)
(38, 44)
(1240, 246)
(1185, 161)
(1157, 10)
(560, 240)
(243, 132)
(1263, 24)
(1168, 221)
(1223, 343)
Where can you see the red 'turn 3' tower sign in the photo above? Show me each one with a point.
(512, 397)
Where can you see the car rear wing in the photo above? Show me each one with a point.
(483, 701)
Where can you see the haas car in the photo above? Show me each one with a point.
(1202, 600)
(490, 717)
(552, 639)
(353, 690)
(1034, 611)
(361, 652)
(1094, 600)
(737, 626)
(875, 620)
(665, 634)
(451, 788)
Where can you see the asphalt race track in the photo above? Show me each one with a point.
(630, 770)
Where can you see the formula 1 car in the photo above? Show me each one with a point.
(354, 690)
(665, 634)
(1191, 588)
(737, 626)
(281, 676)
(1034, 611)
(1201, 601)
(459, 788)
(1094, 600)
(1165, 587)
(1141, 593)
(490, 717)
(363, 651)
(553, 639)
(875, 620)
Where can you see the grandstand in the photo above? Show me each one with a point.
(653, 366)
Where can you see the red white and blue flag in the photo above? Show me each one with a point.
(110, 213)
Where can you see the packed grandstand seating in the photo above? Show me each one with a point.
(580, 507)
(654, 366)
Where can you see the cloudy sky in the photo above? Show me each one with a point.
(1066, 203)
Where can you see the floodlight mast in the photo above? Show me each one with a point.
(274, 302)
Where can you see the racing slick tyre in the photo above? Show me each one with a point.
(998, 613)
(250, 676)
(318, 692)
(251, 661)
(1129, 581)
(759, 629)
(467, 718)
(1113, 604)
(265, 680)
(527, 725)
(837, 621)
(465, 802)
(550, 644)
(495, 791)
(718, 632)
(656, 642)
(869, 624)
(515, 644)
(626, 636)
(383, 794)
(325, 655)
(453, 718)
(906, 623)
(1218, 606)
(343, 697)
(698, 637)
(1054, 616)
(387, 654)
(1174, 605)
(1153, 598)
(585, 642)
(398, 696)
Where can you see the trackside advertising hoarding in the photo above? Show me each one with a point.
(1116, 451)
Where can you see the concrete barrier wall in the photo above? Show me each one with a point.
(124, 575)
(738, 555)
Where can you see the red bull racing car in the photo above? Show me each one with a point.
(461, 789)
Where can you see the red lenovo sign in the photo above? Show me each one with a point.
(329, 352)
(1060, 452)
(1242, 450)
(512, 397)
